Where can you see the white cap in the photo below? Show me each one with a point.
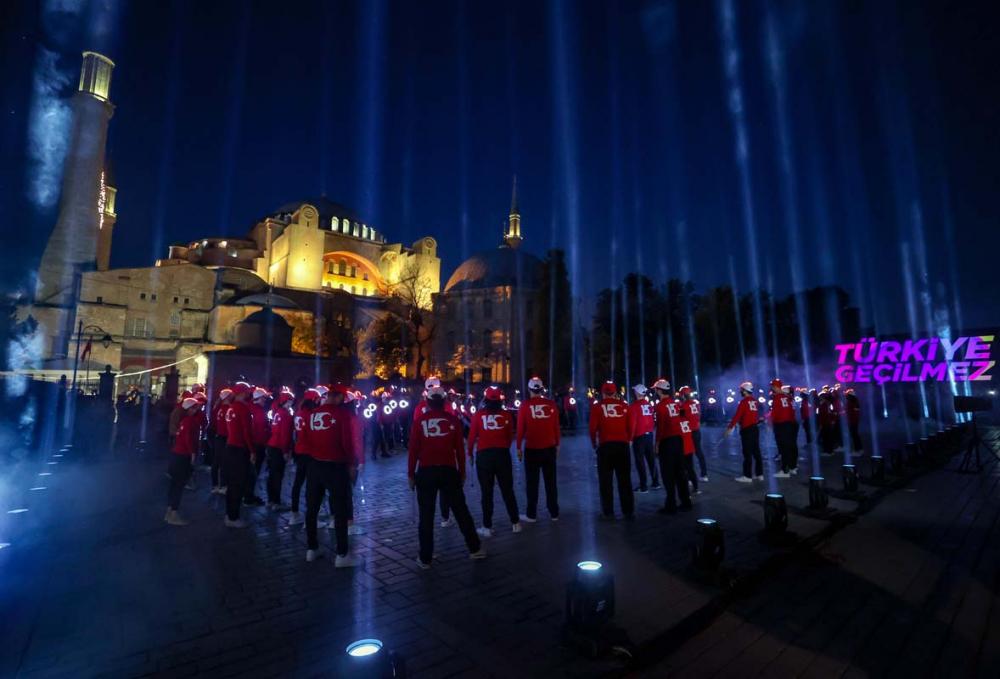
(259, 393)
(535, 384)
(746, 386)
(662, 384)
(640, 389)
(323, 391)
(190, 403)
(436, 392)
(432, 382)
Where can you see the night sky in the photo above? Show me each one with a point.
(872, 133)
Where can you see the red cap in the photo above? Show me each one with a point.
(608, 388)
(339, 388)
(776, 383)
(685, 391)
(312, 394)
(241, 388)
(494, 394)
(200, 397)
(186, 394)
(285, 395)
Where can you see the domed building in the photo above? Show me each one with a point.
(485, 311)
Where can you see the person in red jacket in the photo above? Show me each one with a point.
(670, 448)
(260, 403)
(692, 408)
(807, 410)
(350, 410)
(826, 419)
(538, 440)
(240, 452)
(221, 433)
(185, 450)
(437, 465)
(303, 450)
(611, 430)
(747, 415)
(279, 446)
(786, 429)
(853, 408)
(490, 434)
(333, 468)
(642, 439)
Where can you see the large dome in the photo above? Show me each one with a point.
(327, 209)
(496, 268)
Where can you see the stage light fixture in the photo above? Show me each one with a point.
(369, 659)
(775, 513)
(819, 496)
(590, 596)
(850, 478)
(712, 550)
(878, 468)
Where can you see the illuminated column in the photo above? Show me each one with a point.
(106, 224)
(514, 226)
(72, 247)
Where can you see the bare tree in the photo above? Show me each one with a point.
(415, 294)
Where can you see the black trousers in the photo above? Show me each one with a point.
(445, 507)
(689, 471)
(275, 474)
(179, 469)
(541, 460)
(253, 473)
(301, 474)
(613, 461)
(674, 473)
(856, 444)
(827, 438)
(218, 455)
(750, 438)
(645, 456)
(444, 480)
(699, 453)
(786, 436)
(235, 468)
(333, 478)
(494, 465)
(807, 427)
(384, 438)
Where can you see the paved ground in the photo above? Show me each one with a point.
(94, 584)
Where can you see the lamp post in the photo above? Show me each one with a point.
(106, 341)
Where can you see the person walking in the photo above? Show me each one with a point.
(786, 429)
(333, 468)
(538, 440)
(611, 430)
(670, 449)
(643, 450)
(491, 434)
(747, 416)
(240, 452)
(436, 464)
(303, 449)
(185, 451)
(279, 446)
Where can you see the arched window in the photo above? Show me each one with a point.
(354, 270)
(356, 228)
(364, 275)
(334, 224)
(329, 267)
(367, 292)
(354, 290)
(364, 231)
(343, 268)
(341, 286)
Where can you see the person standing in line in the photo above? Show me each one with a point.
(303, 449)
(333, 468)
(692, 408)
(421, 412)
(240, 450)
(258, 410)
(642, 440)
(538, 440)
(853, 408)
(747, 417)
(807, 409)
(826, 419)
(219, 440)
(350, 408)
(176, 415)
(786, 429)
(491, 434)
(611, 430)
(437, 465)
(670, 448)
(184, 453)
(384, 419)
(279, 446)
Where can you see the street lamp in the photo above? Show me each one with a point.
(106, 341)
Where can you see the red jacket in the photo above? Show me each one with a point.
(611, 420)
(331, 435)
(782, 409)
(853, 411)
(746, 413)
(687, 438)
(826, 414)
(303, 435)
(805, 408)
(436, 440)
(239, 421)
(537, 424)
(221, 427)
(668, 419)
(491, 429)
(643, 419)
(282, 424)
(188, 435)
(421, 410)
(357, 434)
(693, 410)
(260, 433)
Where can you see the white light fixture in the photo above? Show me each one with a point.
(364, 648)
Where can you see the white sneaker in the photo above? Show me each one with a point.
(354, 530)
(527, 519)
(484, 532)
(424, 566)
(794, 471)
(517, 527)
(782, 475)
(447, 523)
(555, 518)
(703, 479)
(223, 489)
(238, 523)
(346, 561)
(744, 479)
(166, 517)
(175, 519)
(758, 478)
(190, 485)
(296, 519)
(481, 554)
(696, 492)
(312, 555)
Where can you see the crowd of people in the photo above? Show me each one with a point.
(328, 432)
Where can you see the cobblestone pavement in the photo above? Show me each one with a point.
(94, 584)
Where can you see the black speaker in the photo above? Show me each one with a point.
(973, 404)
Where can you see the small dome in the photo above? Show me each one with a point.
(266, 316)
(266, 300)
(496, 268)
(264, 331)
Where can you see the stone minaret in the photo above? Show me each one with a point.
(73, 245)
(513, 238)
(106, 204)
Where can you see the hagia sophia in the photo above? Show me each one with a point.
(316, 264)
